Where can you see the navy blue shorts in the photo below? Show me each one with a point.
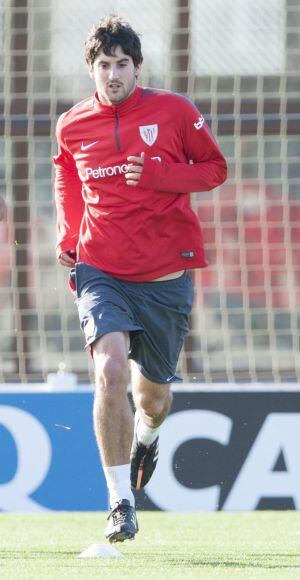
(155, 314)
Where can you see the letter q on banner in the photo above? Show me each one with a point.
(33, 455)
(164, 489)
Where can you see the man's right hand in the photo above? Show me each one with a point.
(67, 259)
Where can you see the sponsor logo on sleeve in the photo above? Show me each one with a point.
(199, 123)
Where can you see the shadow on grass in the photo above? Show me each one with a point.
(265, 561)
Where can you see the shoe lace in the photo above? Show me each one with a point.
(118, 514)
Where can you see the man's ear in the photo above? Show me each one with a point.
(138, 71)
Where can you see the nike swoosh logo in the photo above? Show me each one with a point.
(84, 147)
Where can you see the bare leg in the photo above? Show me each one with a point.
(113, 420)
(152, 400)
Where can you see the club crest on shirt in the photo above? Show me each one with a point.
(149, 133)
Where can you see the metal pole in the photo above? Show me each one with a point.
(18, 111)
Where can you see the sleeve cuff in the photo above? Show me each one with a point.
(63, 248)
(150, 169)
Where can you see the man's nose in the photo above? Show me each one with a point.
(113, 73)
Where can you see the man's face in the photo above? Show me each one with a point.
(115, 76)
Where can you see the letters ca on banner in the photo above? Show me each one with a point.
(215, 453)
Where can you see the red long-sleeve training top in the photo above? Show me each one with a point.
(134, 233)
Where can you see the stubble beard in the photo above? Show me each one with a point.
(109, 98)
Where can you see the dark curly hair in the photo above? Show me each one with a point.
(110, 32)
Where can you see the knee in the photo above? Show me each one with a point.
(112, 377)
(154, 406)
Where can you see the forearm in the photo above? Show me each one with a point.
(183, 177)
(69, 206)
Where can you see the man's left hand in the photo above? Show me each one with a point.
(135, 168)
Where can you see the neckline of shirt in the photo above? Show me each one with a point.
(123, 107)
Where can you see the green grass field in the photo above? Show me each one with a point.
(203, 546)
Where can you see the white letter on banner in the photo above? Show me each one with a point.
(34, 457)
(279, 433)
(163, 488)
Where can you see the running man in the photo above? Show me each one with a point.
(128, 157)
